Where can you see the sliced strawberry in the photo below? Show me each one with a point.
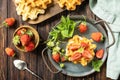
(74, 47)
(83, 27)
(87, 54)
(75, 56)
(97, 36)
(100, 53)
(30, 46)
(25, 39)
(56, 57)
(9, 22)
(83, 44)
(10, 52)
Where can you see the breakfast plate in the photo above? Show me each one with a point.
(77, 70)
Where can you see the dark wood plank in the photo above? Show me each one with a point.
(3, 42)
(13, 73)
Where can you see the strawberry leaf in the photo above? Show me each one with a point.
(30, 33)
(5, 24)
(16, 40)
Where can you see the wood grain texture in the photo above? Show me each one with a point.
(3, 43)
(34, 59)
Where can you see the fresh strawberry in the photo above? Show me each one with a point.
(56, 57)
(9, 22)
(25, 39)
(21, 31)
(10, 52)
(97, 36)
(83, 44)
(83, 27)
(87, 54)
(30, 46)
(100, 53)
(74, 47)
(75, 56)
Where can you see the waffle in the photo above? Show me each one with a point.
(29, 9)
(69, 4)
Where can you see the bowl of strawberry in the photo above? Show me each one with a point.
(25, 38)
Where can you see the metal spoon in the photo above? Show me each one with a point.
(21, 65)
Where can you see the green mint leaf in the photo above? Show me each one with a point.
(96, 64)
(71, 29)
(54, 34)
(64, 29)
(64, 33)
(81, 50)
(67, 29)
(62, 65)
(60, 26)
(68, 20)
(63, 20)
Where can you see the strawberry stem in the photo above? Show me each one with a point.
(3, 24)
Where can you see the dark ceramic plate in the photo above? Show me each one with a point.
(77, 70)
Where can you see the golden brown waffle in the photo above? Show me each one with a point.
(69, 4)
(31, 8)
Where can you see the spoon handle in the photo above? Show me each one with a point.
(33, 73)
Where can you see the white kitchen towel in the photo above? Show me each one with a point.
(109, 10)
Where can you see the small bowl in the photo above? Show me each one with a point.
(35, 34)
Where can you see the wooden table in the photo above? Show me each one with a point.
(34, 59)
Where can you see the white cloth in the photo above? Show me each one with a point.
(109, 10)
